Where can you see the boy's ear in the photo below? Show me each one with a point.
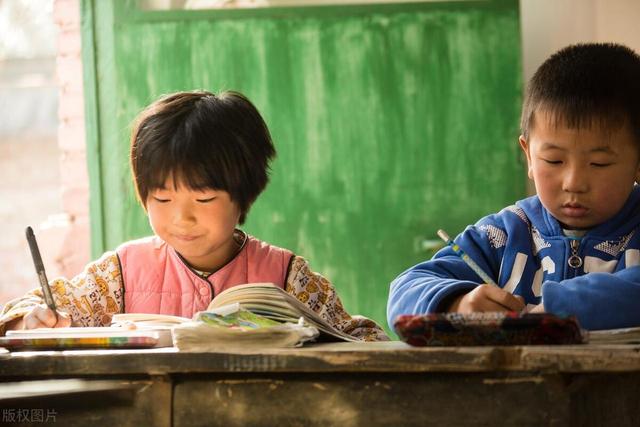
(525, 148)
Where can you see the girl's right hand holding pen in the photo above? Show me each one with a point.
(41, 316)
(486, 298)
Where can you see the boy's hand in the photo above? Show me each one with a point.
(42, 316)
(486, 298)
(537, 309)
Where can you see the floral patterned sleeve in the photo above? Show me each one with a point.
(91, 298)
(321, 296)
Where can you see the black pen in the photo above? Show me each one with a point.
(42, 276)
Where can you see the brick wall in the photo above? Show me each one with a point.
(70, 231)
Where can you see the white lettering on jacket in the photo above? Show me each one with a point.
(596, 265)
(516, 272)
(546, 266)
(631, 258)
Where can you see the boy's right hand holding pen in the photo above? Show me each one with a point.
(486, 297)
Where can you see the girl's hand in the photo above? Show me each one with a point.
(42, 316)
(486, 298)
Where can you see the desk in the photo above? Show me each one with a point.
(352, 384)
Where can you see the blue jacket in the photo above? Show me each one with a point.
(525, 251)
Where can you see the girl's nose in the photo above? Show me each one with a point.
(183, 214)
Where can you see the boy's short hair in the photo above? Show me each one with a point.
(202, 141)
(584, 85)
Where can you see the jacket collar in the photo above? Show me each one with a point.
(621, 224)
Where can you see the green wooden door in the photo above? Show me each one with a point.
(390, 121)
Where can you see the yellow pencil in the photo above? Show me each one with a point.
(466, 258)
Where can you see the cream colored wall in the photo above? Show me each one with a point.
(548, 25)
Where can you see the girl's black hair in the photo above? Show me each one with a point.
(202, 140)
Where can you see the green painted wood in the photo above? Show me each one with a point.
(390, 122)
(89, 67)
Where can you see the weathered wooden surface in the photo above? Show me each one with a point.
(435, 399)
(338, 357)
(25, 391)
(371, 400)
(139, 402)
(349, 384)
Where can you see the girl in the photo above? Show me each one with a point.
(199, 161)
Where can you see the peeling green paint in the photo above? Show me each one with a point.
(390, 121)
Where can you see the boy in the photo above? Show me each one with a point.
(574, 248)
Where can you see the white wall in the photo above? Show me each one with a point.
(548, 25)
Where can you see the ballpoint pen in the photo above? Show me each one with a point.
(42, 276)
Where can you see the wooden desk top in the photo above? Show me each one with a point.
(389, 357)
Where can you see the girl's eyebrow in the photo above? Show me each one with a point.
(601, 149)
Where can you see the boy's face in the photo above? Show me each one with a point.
(582, 176)
(199, 225)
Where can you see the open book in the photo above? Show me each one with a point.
(254, 316)
(265, 299)
(272, 302)
(280, 325)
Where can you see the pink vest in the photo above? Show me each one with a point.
(156, 280)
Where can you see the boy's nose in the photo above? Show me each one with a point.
(575, 180)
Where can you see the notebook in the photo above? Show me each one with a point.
(233, 328)
(615, 336)
(147, 319)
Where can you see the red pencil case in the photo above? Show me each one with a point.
(508, 328)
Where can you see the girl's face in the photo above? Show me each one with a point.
(582, 176)
(198, 224)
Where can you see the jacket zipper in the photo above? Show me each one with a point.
(574, 260)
